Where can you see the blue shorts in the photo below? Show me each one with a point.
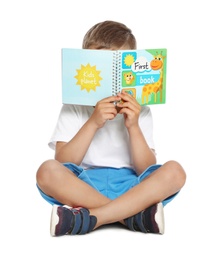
(111, 182)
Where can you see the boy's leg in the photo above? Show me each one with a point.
(161, 184)
(58, 182)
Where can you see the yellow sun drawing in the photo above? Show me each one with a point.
(88, 77)
(129, 59)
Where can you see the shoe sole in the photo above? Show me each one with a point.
(159, 218)
(54, 220)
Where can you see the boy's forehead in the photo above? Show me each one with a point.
(113, 48)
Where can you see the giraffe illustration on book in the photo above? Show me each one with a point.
(153, 88)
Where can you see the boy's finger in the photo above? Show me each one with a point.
(110, 99)
(125, 96)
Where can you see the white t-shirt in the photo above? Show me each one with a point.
(110, 145)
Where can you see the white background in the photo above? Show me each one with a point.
(32, 35)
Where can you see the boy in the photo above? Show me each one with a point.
(105, 167)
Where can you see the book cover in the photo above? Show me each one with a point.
(91, 75)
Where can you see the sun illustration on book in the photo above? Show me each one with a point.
(129, 60)
(88, 77)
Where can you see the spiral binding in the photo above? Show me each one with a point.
(116, 72)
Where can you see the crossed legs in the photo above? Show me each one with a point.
(57, 181)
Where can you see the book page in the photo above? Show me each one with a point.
(143, 75)
(86, 76)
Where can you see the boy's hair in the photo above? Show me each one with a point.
(109, 34)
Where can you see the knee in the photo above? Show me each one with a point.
(177, 174)
(45, 171)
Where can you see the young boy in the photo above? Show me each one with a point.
(105, 167)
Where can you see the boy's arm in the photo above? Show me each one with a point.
(142, 155)
(75, 150)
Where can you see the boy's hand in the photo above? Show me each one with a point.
(104, 110)
(130, 108)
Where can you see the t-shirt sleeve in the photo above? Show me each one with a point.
(146, 125)
(66, 127)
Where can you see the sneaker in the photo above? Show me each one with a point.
(150, 220)
(71, 221)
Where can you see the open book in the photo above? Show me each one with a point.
(91, 75)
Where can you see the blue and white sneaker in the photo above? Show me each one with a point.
(150, 220)
(71, 221)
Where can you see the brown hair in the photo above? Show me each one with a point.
(109, 34)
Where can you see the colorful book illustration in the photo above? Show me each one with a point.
(91, 75)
